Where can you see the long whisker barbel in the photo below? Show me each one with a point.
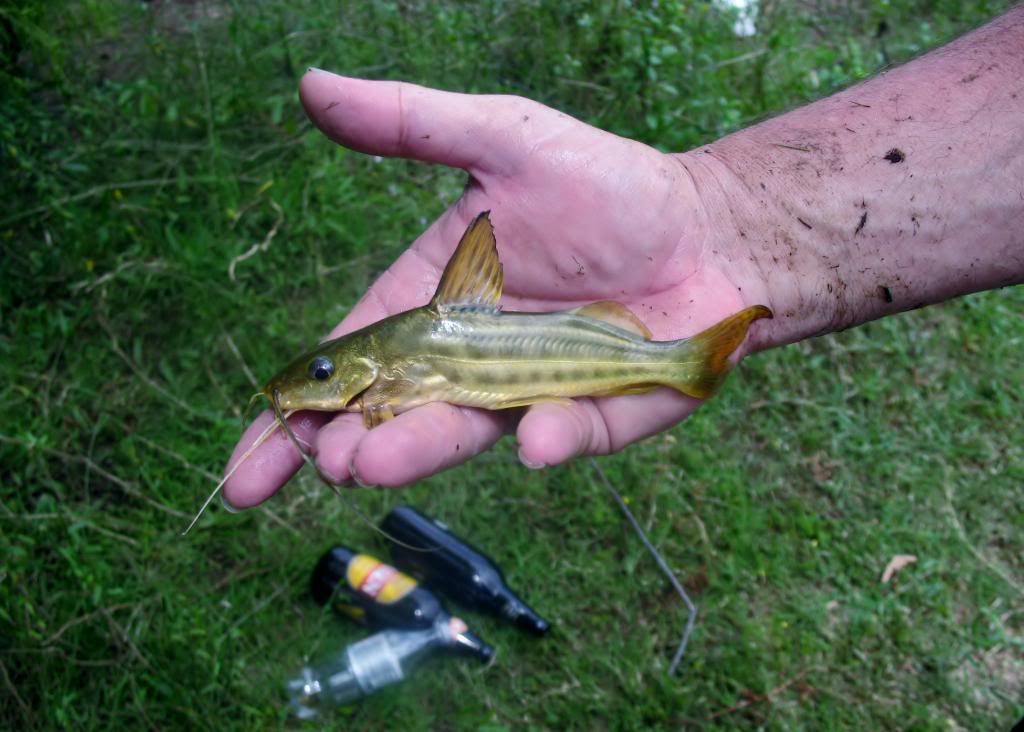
(245, 456)
(308, 458)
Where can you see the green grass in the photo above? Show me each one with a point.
(147, 145)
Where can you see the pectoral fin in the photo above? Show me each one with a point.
(615, 313)
(375, 415)
(473, 275)
(387, 395)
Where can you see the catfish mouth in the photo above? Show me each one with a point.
(293, 399)
(291, 403)
(317, 403)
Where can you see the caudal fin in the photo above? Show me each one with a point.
(706, 355)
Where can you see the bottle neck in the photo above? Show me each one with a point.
(516, 611)
(411, 646)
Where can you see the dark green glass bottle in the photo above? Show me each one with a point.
(457, 570)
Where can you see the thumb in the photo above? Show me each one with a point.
(479, 133)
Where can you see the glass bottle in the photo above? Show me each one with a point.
(459, 571)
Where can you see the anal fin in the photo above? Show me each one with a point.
(511, 403)
(625, 390)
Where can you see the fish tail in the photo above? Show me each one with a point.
(705, 356)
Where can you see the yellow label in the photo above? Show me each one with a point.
(380, 582)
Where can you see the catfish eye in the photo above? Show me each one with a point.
(321, 368)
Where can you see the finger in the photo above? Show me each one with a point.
(413, 445)
(552, 432)
(632, 418)
(336, 443)
(479, 133)
(271, 464)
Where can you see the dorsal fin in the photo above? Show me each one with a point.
(473, 274)
(615, 313)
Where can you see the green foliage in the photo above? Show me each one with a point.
(147, 146)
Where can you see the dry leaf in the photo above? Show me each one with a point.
(895, 564)
(821, 469)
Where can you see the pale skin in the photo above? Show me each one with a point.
(902, 191)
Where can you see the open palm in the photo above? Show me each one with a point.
(579, 215)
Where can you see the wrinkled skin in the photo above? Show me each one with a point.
(579, 214)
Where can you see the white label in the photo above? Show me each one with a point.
(374, 663)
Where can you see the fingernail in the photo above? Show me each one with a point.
(334, 480)
(355, 477)
(314, 68)
(529, 463)
(227, 505)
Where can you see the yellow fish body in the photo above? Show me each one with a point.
(462, 349)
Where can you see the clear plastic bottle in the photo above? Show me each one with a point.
(378, 661)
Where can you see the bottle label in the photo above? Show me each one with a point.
(374, 663)
(378, 581)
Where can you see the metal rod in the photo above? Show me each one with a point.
(691, 609)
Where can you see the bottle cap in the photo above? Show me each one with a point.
(466, 643)
(304, 694)
(522, 616)
(533, 622)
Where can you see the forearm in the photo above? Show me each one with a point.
(904, 190)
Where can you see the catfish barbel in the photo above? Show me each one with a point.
(461, 348)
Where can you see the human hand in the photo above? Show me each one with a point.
(805, 213)
(579, 215)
